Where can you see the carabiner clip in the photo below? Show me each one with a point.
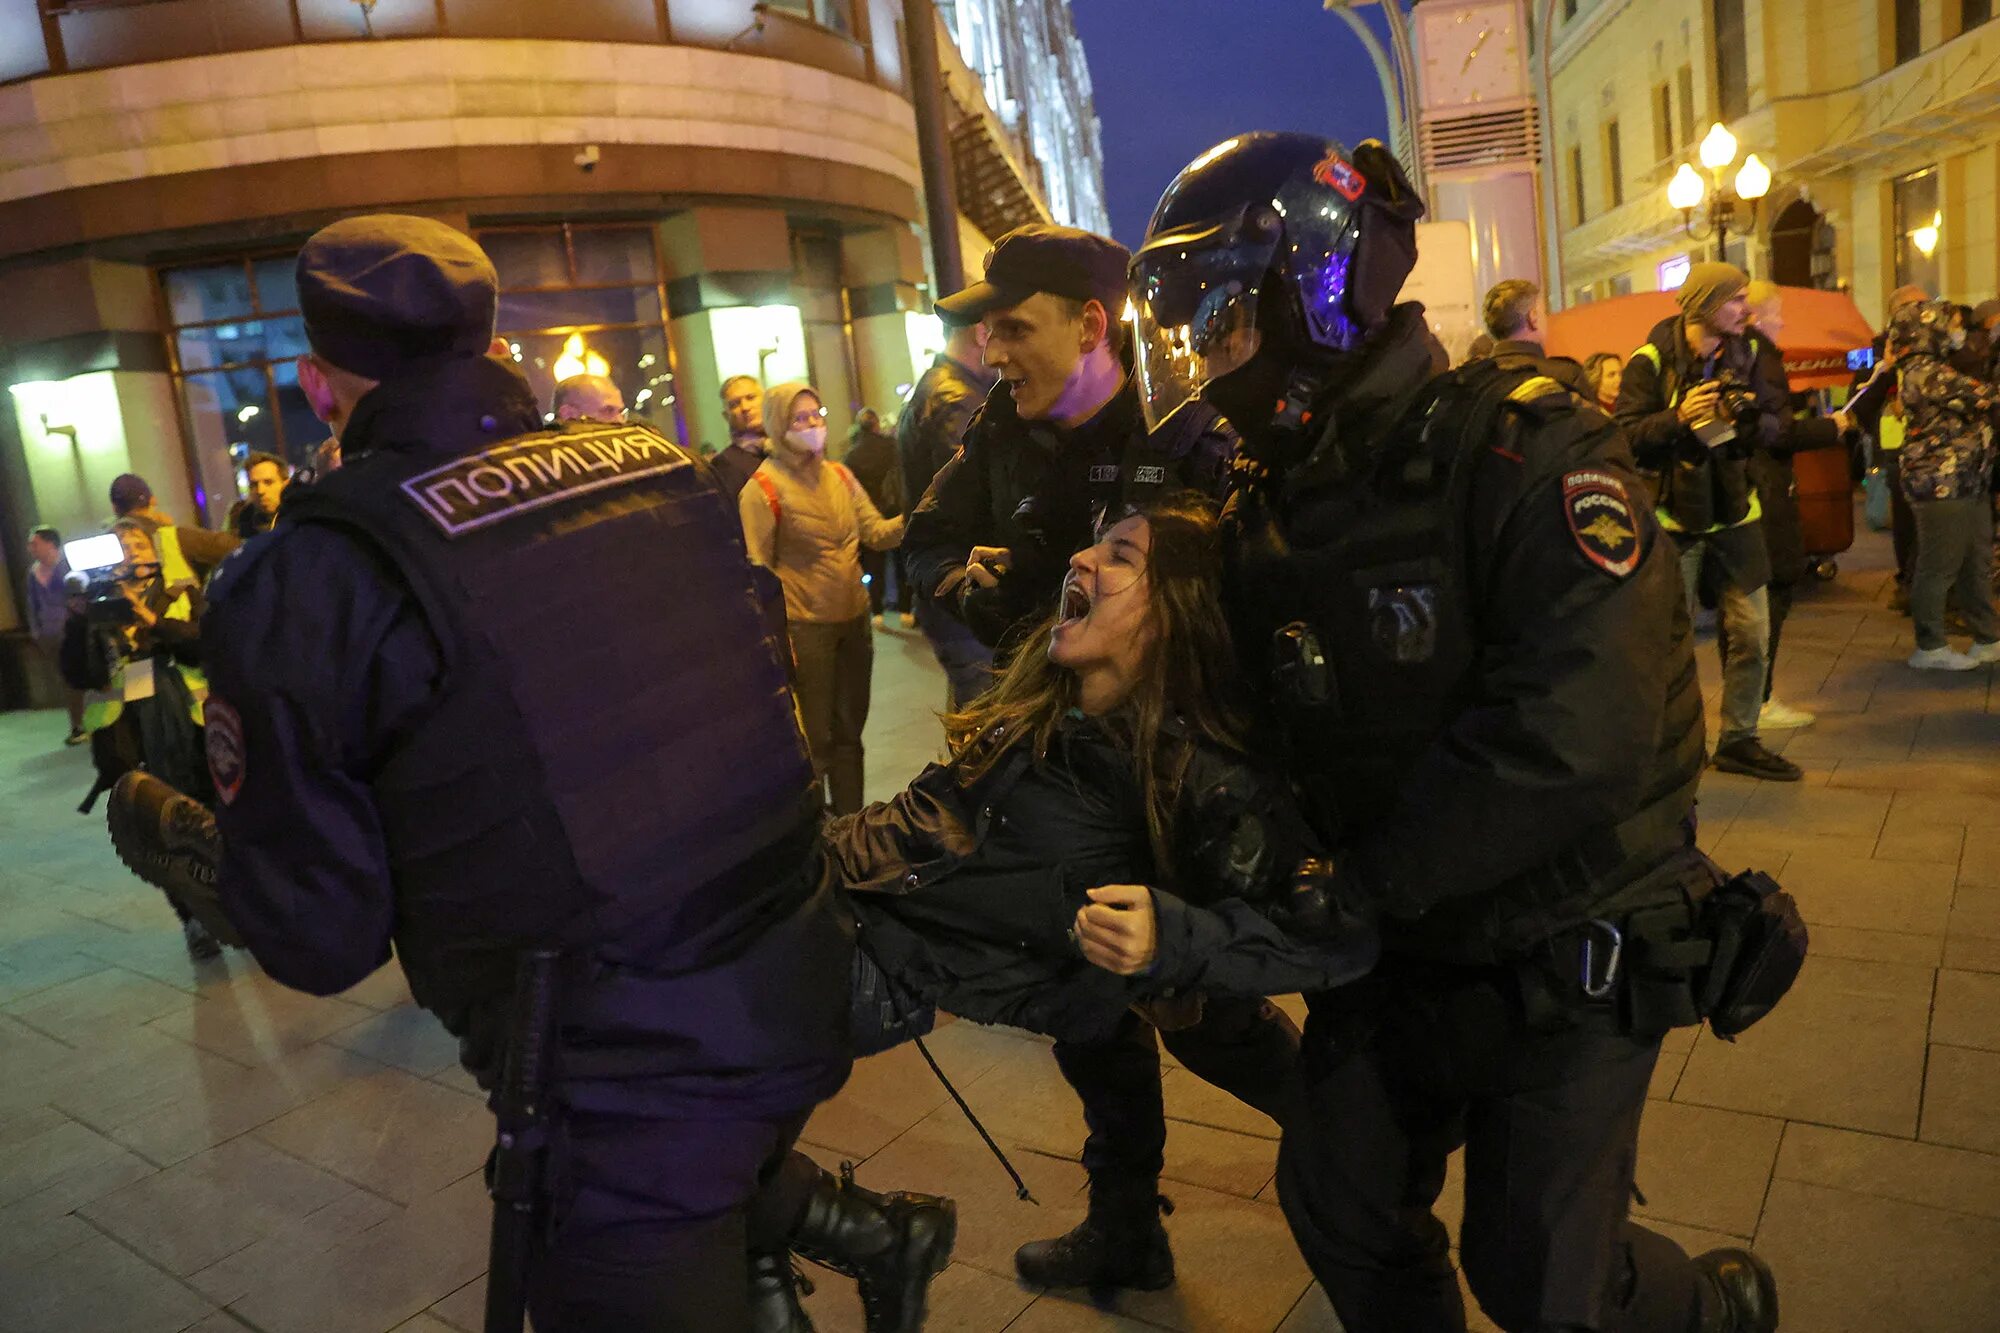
(1593, 987)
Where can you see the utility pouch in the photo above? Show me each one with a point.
(1760, 945)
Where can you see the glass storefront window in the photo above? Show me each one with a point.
(237, 332)
(591, 291)
(576, 296)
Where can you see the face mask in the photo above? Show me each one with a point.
(812, 440)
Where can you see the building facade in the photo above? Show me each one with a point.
(672, 191)
(1879, 119)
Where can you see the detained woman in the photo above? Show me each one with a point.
(1098, 839)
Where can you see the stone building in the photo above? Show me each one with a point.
(1878, 118)
(673, 190)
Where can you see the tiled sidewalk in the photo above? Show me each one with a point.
(187, 1147)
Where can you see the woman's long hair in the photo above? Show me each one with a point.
(1189, 674)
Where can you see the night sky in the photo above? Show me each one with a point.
(1174, 77)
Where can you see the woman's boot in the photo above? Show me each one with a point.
(1119, 1243)
(892, 1245)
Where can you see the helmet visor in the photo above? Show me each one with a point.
(1194, 314)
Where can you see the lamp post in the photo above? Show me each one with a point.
(1686, 189)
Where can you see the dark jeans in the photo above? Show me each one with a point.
(967, 663)
(835, 664)
(1247, 1047)
(1780, 596)
(879, 568)
(652, 1222)
(1902, 523)
(1955, 558)
(1550, 1126)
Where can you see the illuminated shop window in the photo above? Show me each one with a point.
(236, 333)
(576, 299)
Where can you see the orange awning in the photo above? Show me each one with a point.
(1821, 328)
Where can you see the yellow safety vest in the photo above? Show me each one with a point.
(1666, 520)
(103, 707)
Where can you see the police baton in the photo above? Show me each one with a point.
(514, 1176)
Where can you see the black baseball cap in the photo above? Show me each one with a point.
(1041, 257)
(385, 293)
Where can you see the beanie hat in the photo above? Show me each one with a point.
(1708, 286)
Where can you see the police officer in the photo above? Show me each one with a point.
(1059, 441)
(1473, 634)
(927, 436)
(454, 745)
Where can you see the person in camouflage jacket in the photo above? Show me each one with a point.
(1947, 463)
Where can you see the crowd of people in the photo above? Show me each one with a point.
(1279, 659)
(1715, 426)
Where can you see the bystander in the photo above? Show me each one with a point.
(871, 457)
(743, 408)
(806, 519)
(1604, 371)
(588, 398)
(1515, 316)
(268, 476)
(48, 608)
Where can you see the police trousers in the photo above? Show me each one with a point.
(1247, 1047)
(1400, 1072)
(651, 1222)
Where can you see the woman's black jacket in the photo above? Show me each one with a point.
(965, 890)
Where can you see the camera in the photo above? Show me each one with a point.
(586, 158)
(97, 569)
(1734, 402)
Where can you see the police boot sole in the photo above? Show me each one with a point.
(187, 879)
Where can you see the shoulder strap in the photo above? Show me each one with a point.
(765, 485)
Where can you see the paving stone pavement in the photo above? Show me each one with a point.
(195, 1147)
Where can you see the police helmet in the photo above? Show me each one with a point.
(1267, 238)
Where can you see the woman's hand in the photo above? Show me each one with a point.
(1118, 931)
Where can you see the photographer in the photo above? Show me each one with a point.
(132, 645)
(1698, 405)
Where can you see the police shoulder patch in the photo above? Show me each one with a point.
(1601, 519)
(224, 741)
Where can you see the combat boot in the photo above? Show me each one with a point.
(775, 1288)
(1114, 1246)
(171, 842)
(892, 1245)
(1740, 1293)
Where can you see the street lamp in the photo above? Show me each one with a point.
(1686, 190)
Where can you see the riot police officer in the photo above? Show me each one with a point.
(425, 729)
(1473, 635)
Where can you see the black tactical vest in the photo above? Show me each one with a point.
(1367, 579)
(616, 761)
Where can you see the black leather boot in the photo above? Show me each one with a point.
(1742, 1295)
(1116, 1245)
(892, 1245)
(775, 1288)
(171, 842)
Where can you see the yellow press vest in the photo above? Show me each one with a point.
(103, 707)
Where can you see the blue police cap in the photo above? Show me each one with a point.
(385, 293)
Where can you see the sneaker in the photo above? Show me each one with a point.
(1942, 659)
(1984, 653)
(877, 622)
(1776, 716)
(909, 619)
(77, 736)
(1749, 757)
